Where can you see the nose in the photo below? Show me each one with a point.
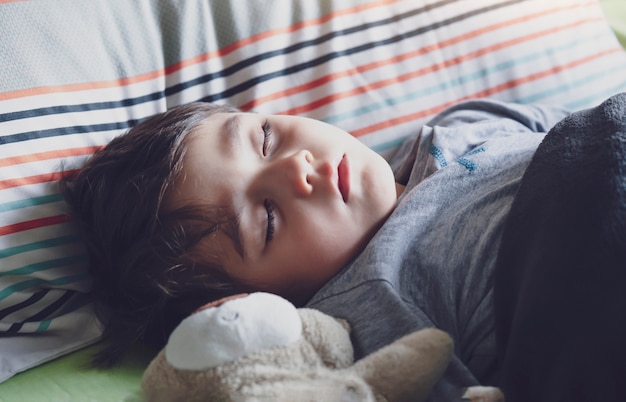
(296, 171)
(290, 175)
(296, 174)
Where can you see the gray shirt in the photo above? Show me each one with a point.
(431, 263)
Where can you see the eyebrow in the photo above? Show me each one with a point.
(236, 237)
(233, 137)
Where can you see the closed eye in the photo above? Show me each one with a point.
(271, 221)
(267, 137)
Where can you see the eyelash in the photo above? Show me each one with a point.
(271, 226)
(267, 137)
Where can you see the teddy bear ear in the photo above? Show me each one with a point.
(219, 302)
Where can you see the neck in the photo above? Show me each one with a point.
(399, 189)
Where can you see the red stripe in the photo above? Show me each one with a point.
(33, 224)
(36, 179)
(41, 156)
(480, 94)
(318, 103)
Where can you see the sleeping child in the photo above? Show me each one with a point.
(203, 201)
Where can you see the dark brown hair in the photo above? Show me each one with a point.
(145, 277)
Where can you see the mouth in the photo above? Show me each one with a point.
(343, 182)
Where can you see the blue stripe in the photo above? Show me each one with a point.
(582, 102)
(43, 325)
(45, 265)
(30, 202)
(592, 100)
(57, 241)
(35, 282)
(389, 145)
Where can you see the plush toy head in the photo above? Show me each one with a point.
(261, 348)
(239, 327)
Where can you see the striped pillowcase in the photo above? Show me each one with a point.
(376, 68)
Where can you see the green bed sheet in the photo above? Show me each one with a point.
(71, 379)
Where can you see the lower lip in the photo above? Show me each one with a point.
(343, 171)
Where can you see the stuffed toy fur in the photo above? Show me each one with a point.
(259, 347)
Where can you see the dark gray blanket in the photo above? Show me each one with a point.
(560, 283)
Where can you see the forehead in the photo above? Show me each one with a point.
(206, 157)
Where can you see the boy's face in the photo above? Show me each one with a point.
(308, 197)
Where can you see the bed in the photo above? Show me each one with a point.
(76, 75)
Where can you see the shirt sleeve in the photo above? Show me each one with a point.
(536, 118)
(465, 127)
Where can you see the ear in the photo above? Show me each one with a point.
(219, 302)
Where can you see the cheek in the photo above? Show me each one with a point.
(327, 243)
(316, 266)
(379, 185)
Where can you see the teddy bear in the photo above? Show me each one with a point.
(260, 347)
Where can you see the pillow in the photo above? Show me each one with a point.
(376, 68)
